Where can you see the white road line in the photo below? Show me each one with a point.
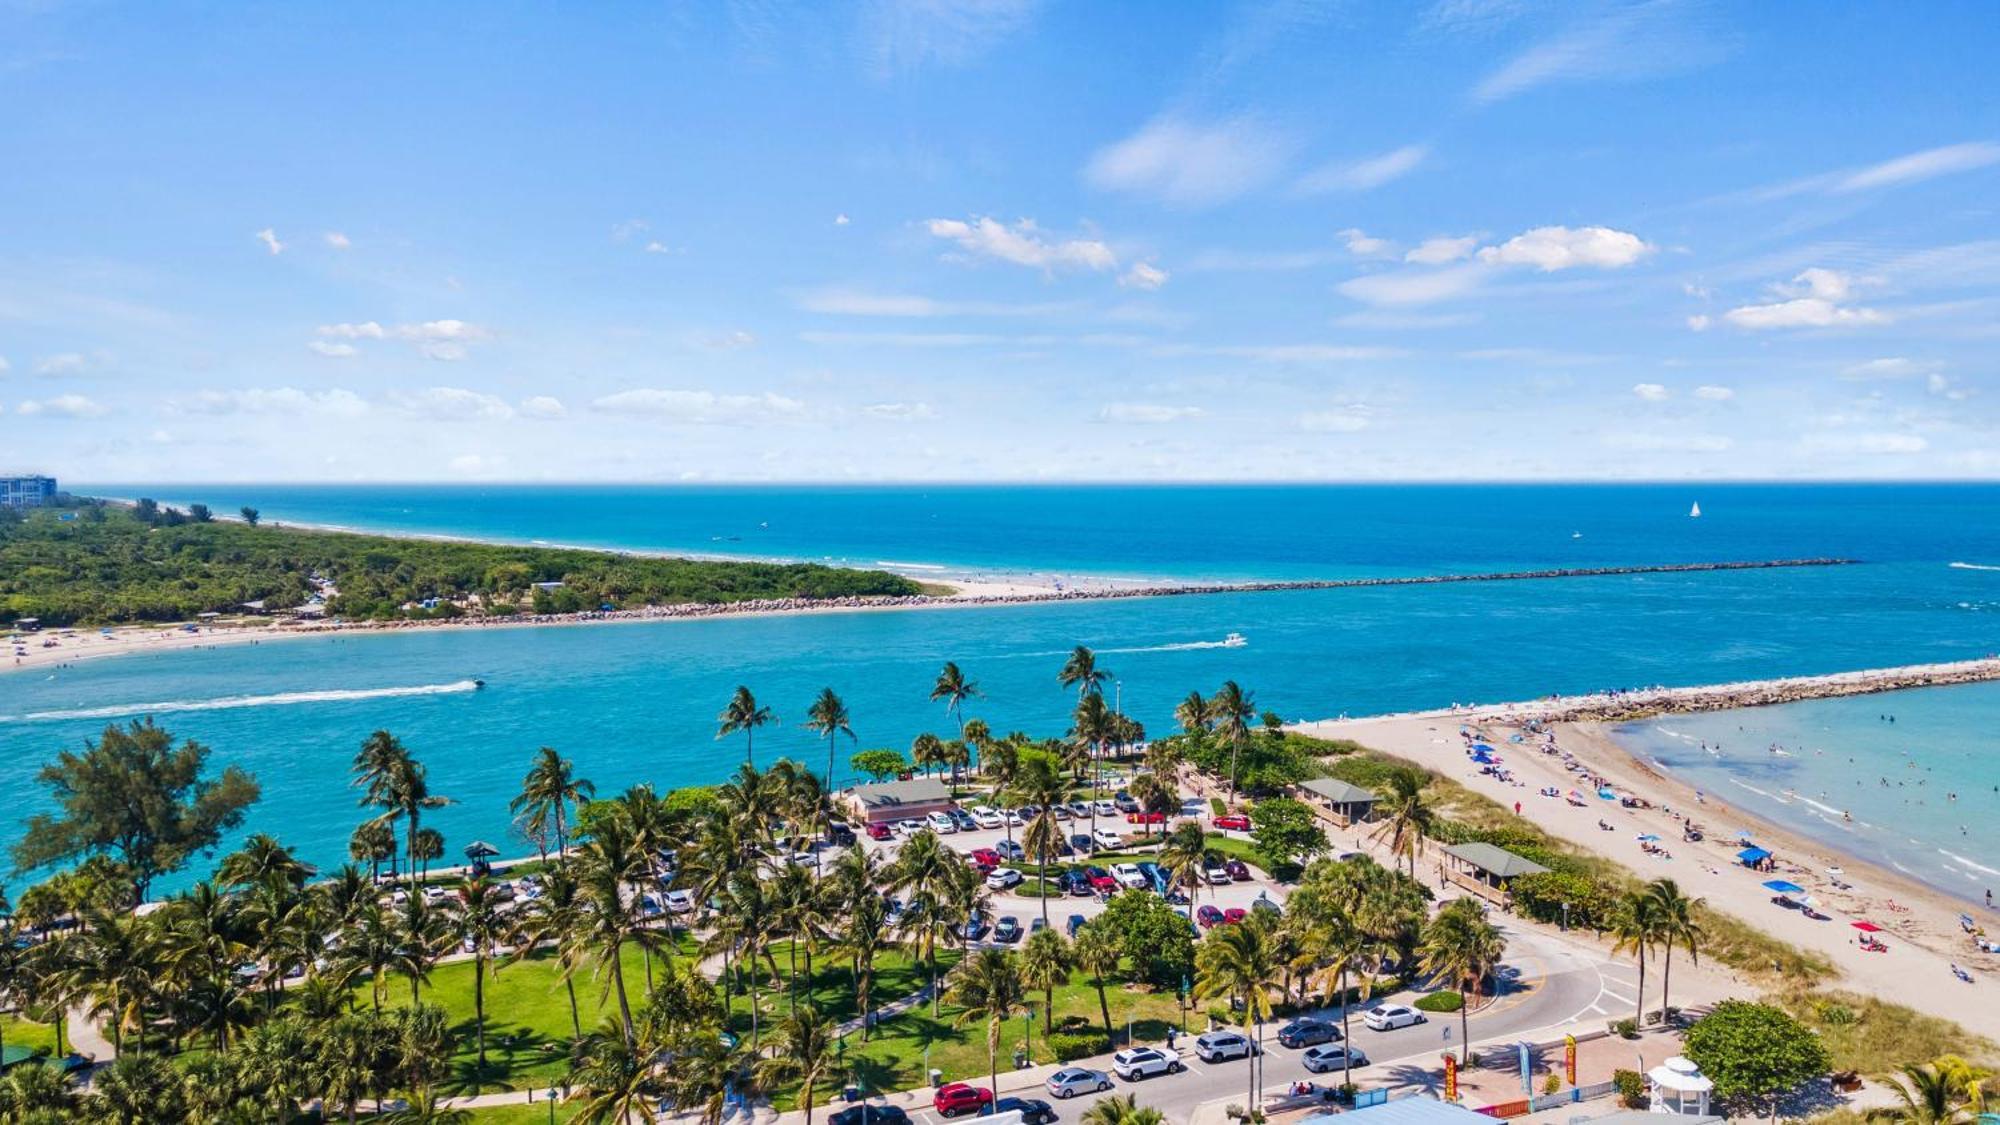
(1619, 998)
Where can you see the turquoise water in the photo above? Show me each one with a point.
(1908, 779)
(635, 702)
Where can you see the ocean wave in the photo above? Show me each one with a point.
(1972, 566)
(1964, 862)
(891, 564)
(1181, 646)
(230, 702)
(1754, 789)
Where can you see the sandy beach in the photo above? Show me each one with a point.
(1920, 924)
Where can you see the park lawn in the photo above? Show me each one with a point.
(27, 1033)
(831, 987)
(1230, 847)
(536, 1113)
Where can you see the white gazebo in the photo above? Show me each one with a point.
(1678, 1086)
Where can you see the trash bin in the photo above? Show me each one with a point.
(851, 1093)
(937, 1077)
(1020, 1059)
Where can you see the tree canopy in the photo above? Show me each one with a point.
(1286, 832)
(1755, 1052)
(1154, 937)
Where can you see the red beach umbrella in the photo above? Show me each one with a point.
(1868, 927)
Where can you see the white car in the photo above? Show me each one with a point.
(1014, 818)
(1073, 1080)
(1388, 1017)
(680, 902)
(1060, 812)
(1219, 1046)
(909, 827)
(942, 824)
(1104, 808)
(1135, 1064)
(988, 817)
(1216, 874)
(1333, 1056)
(1003, 878)
(1107, 839)
(802, 859)
(1129, 875)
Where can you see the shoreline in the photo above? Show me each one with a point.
(86, 642)
(1919, 920)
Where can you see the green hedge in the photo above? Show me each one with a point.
(1068, 1045)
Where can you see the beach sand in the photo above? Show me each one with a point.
(1920, 922)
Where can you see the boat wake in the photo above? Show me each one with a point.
(1182, 646)
(1972, 566)
(230, 702)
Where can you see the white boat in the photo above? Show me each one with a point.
(1576, 535)
(1235, 640)
(1694, 513)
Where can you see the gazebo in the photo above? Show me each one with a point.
(1349, 804)
(1678, 1086)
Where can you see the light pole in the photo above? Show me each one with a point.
(1565, 917)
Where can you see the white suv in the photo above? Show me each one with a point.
(942, 823)
(1388, 1017)
(1135, 1064)
(1218, 1046)
(1129, 875)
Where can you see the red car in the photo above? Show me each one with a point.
(1145, 818)
(986, 859)
(1234, 822)
(1208, 916)
(1234, 915)
(1100, 879)
(954, 1098)
(879, 832)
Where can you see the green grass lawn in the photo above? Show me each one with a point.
(536, 1114)
(26, 1033)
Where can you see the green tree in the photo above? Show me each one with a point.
(1754, 1053)
(136, 797)
(200, 513)
(1635, 927)
(550, 789)
(1120, 1109)
(1673, 915)
(954, 689)
(828, 718)
(1184, 853)
(1045, 964)
(744, 714)
(480, 925)
(1947, 1091)
(1231, 711)
(805, 1050)
(1405, 816)
(1153, 936)
(250, 515)
(1096, 951)
(989, 987)
(1460, 945)
(1286, 832)
(878, 764)
(1241, 962)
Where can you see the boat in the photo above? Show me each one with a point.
(477, 684)
(1694, 513)
(1576, 535)
(1235, 640)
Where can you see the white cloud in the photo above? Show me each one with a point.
(1803, 312)
(1918, 166)
(1890, 367)
(446, 351)
(1559, 248)
(1712, 393)
(1147, 413)
(1405, 321)
(475, 464)
(1830, 285)
(1944, 387)
(624, 231)
(698, 407)
(542, 406)
(366, 330)
(1617, 43)
(62, 363)
(63, 406)
(452, 404)
(4, 365)
(735, 340)
(270, 240)
(1439, 251)
(1874, 444)
(273, 400)
(442, 330)
(902, 35)
(1364, 175)
(658, 247)
(901, 411)
(1414, 287)
(1191, 164)
(332, 350)
(840, 220)
(1651, 392)
(1023, 244)
(1362, 245)
(1285, 353)
(338, 240)
(435, 339)
(854, 302)
(1347, 420)
(1144, 275)
(1699, 322)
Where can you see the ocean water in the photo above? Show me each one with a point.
(1906, 779)
(636, 702)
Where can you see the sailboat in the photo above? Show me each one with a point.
(1694, 513)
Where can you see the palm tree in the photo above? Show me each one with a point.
(1674, 913)
(607, 863)
(1461, 946)
(745, 715)
(1406, 817)
(1081, 672)
(1096, 952)
(1120, 1109)
(423, 933)
(376, 767)
(409, 794)
(424, 1108)
(1231, 710)
(1634, 927)
(954, 689)
(828, 718)
(976, 735)
(351, 1060)
(1184, 853)
(1045, 964)
(926, 750)
(36, 1093)
(547, 792)
(1241, 961)
(480, 925)
(1946, 1091)
(1194, 714)
(551, 917)
(805, 1049)
(988, 987)
(865, 938)
(373, 843)
(1155, 796)
(922, 874)
(260, 858)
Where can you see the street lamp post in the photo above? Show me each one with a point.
(1565, 917)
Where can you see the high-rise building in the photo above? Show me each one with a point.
(27, 492)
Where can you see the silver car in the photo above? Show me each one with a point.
(1333, 1056)
(1218, 1046)
(1073, 1080)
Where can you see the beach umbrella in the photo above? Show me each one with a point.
(1782, 887)
(1868, 927)
(1648, 838)
(480, 849)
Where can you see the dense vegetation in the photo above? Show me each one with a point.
(112, 564)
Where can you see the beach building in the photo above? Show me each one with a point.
(1646, 1117)
(1415, 1110)
(1336, 800)
(1678, 1086)
(898, 800)
(20, 493)
(1484, 869)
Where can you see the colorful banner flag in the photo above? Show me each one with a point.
(1569, 1058)
(1450, 1077)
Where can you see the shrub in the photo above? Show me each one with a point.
(1542, 897)
(1627, 1028)
(1441, 1002)
(1552, 1084)
(1069, 1045)
(1218, 806)
(1631, 1088)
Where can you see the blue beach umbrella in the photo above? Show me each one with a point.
(1782, 887)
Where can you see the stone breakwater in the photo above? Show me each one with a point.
(1646, 703)
(913, 601)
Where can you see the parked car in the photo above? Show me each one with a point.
(1307, 1032)
(1030, 812)
(878, 831)
(964, 820)
(1076, 922)
(1232, 822)
(1135, 1064)
(975, 927)
(1208, 915)
(1156, 877)
(1037, 925)
(1238, 870)
(941, 823)
(1107, 840)
(1008, 931)
(841, 835)
(1060, 812)
(1129, 875)
(954, 1098)
(1073, 1080)
(1080, 809)
(1234, 915)
(988, 817)
(1388, 1017)
(1220, 1046)
(681, 902)
(1125, 802)
(1145, 818)
(1103, 808)
(907, 828)
(865, 1114)
(1266, 904)
(1073, 882)
(1100, 879)
(984, 857)
(1010, 849)
(1216, 874)
(1003, 878)
(1034, 1111)
(1083, 844)
(1333, 1056)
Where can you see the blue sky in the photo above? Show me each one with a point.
(997, 240)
